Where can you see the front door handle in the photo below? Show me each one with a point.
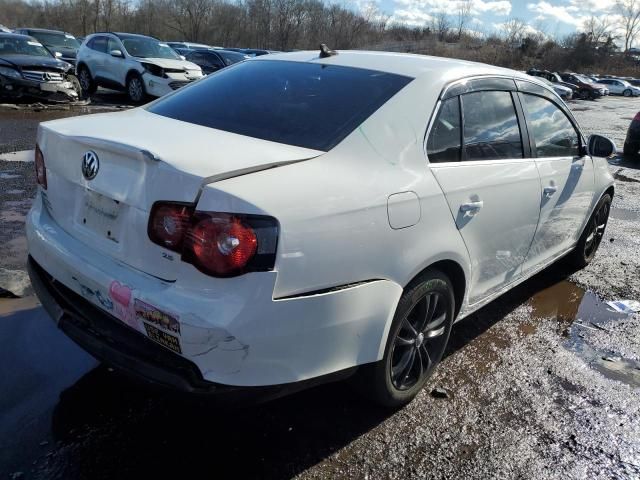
(549, 191)
(472, 208)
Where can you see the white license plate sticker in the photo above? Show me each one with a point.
(101, 215)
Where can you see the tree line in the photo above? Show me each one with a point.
(304, 24)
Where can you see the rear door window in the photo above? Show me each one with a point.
(491, 129)
(553, 133)
(443, 144)
(306, 104)
(99, 44)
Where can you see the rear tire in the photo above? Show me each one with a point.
(415, 344)
(593, 233)
(87, 84)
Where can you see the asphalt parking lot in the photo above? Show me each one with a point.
(542, 383)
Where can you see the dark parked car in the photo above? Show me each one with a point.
(29, 69)
(632, 142)
(213, 60)
(253, 52)
(61, 44)
(587, 88)
(555, 78)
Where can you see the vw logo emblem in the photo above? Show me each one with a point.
(90, 165)
(46, 77)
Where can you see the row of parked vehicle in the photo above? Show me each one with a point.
(587, 87)
(50, 63)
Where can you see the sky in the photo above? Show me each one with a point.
(554, 18)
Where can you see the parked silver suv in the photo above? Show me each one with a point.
(139, 64)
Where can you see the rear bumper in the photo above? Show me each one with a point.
(108, 340)
(224, 331)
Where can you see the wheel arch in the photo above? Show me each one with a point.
(610, 191)
(130, 73)
(82, 64)
(454, 271)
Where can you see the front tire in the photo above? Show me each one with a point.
(76, 86)
(416, 342)
(584, 94)
(87, 83)
(627, 93)
(135, 88)
(593, 233)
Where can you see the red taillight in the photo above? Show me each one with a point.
(218, 244)
(221, 244)
(41, 171)
(169, 223)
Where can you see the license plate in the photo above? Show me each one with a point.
(101, 215)
(163, 338)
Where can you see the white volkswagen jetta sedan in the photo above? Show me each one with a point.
(336, 219)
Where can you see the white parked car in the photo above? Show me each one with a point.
(341, 217)
(138, 64)
(620, 87)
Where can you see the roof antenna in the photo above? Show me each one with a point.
(326, 51)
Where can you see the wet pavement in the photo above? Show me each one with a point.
(542, 383)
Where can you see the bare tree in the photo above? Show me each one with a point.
(598, 29)
(464, 15)
(629, 11)
(441, 25)
(513, 31)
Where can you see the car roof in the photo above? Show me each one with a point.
(44, 30)
(407, 64)
(123, 36)
(15, 35)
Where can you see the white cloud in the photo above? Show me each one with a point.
(414, 17)
(420, 12)
(500, 7)
(546, 10)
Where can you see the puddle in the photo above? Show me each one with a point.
(624, 214)
(14, 192)
(576, 311)
(9, 306)
(8, 176)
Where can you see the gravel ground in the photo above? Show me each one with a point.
(616, 269)
(542, 383)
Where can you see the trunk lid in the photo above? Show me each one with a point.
(142, 158)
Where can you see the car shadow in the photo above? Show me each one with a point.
(482, 320)
(108, 426)
(625, 161)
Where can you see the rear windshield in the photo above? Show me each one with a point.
(304, 104)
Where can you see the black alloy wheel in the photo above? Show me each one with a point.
(420, 338)
(592, 236)
(415, 344)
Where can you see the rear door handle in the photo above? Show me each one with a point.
(549, 191)
(472, 208)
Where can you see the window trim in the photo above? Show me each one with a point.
(521, 85)
(534, 152)
(524, 134)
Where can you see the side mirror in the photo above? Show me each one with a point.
(600, 146)
(58, 55)
(116, 53)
